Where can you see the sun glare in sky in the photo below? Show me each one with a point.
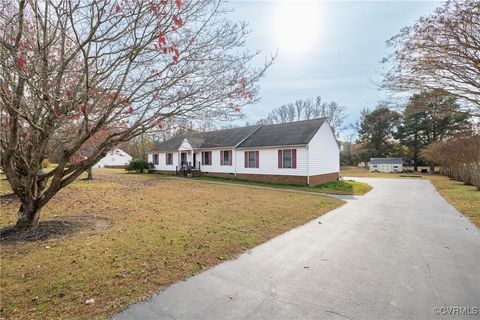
(296, 27)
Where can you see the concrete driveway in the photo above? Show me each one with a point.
(399, 252)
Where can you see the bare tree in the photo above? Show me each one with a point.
(306, 109)
(440, 51)
(121, 67)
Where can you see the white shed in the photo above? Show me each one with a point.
(114, 159)
(388, 165)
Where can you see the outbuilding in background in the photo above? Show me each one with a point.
(388, 165)
(114, 159)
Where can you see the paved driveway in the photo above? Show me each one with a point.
(399, 252)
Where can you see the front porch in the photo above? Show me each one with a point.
(188, 164)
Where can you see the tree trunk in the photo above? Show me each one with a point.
(415, 160)
(90, 174)
(28, 217)
(432, 168)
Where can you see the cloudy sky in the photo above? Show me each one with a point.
(328, 48)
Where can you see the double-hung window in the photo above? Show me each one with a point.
(207, 158)
(169, 159)
(226, 157)
(252, 159)
(287, 158)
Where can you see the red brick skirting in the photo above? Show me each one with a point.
(324, 178)
(121, 166)
(301, 180)
(219, 174)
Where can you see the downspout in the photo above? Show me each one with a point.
(234, 158)
(308, 166)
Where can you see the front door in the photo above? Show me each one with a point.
(194, 159)
(183, 158)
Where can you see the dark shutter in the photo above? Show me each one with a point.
(203, 157)
(294, 158)
(257, 159)
(221, 157)
(280, 154)
(246, 158)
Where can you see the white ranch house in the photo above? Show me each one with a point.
(114, 159)
(302, 152)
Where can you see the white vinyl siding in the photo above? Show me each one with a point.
(268, 162)
(386, 167)
(215, 166)
(323, 153)
(162, 161)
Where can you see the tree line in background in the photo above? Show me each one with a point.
(306, 109)
(428, 117)
(438, 59)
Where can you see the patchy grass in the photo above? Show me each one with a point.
(344, 187)
(162, 231)
(465, 198)
(335, 187)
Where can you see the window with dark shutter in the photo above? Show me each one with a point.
(207, 158)
(155, 159)
(287, 158)
(251, 159)
(169, 159)
(226, 158)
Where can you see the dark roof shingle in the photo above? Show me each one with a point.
(284, 134)
(386, 160)
(212, 139)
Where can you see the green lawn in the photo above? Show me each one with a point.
(349, 187)
(344, 187)
(159, 231)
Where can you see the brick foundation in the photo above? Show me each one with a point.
(300, 180)
(219, 174)
(324, 178)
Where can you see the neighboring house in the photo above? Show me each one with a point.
(302, 152)
(386, 164)
(114, 159)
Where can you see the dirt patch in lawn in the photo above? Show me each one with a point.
(55, 229)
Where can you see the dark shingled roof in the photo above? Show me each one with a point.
(386, 161)
(284, 134)
(213, 139)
